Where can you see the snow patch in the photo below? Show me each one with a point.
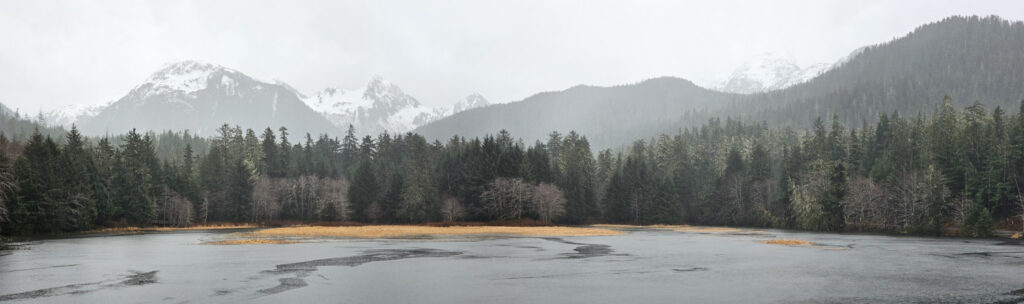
(184, 77)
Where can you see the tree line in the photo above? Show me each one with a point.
(920, 174)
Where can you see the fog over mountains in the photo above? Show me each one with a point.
(968, 58)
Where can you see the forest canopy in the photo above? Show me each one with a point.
(951, 168)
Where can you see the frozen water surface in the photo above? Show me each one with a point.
(642, 266)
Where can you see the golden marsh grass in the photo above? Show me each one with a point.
(788, 242)
(396, 231)
(251, 242)
(802, 243)
(658, 226)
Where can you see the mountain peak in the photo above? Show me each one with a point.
(385, 94)
(185, 68)
(472, 101)
(200, 96)
(769, 71)
(180, 77)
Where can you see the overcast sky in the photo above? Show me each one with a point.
(67, 52)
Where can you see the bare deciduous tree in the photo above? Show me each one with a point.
(6, 185)
(548, 202)
(266, 205)
(960, 206)
(506, 198)
(175, 210)
(865, 206)
(452, 209)
(305, 198)
(1020, 204)
(729, 196)
(1020, 201)
(761, 194)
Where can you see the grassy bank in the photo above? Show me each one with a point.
(399, 231)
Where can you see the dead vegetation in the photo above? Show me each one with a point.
(251, 242)
(707, 229)
(395, 231)
(687, 228)
(788, 242)
(658, 226)
(802, 243)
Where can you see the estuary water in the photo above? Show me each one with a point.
(641, 266)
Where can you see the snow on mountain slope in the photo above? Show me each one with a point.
(381, 106)
(767, 72)
(70, 114)
(472, 101)
(200, 97)
(377, 107)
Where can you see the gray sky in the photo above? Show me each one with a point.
(56, 53)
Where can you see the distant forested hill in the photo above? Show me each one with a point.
(607, 115)
(968, 58)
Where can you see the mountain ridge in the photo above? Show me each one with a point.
(967, 58)
(200, 97)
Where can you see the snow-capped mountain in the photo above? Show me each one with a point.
(67, 115)
(768, 72)
(200, 97)
(472, 101)
(381, 106)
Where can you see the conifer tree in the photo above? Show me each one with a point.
(363, 192)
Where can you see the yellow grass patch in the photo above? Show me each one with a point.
(387, 231)
(698, 229)
(707, 229)
(250, 242)
(687, 228)
(788, 242)
(802, 243)
(659, 226)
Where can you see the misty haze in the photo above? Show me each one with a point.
(511, 152)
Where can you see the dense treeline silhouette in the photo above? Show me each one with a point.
(922, 174)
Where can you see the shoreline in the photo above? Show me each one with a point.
(355, 230)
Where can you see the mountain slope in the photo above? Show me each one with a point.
(200, 97)
(607, 115)
(381, 106)
(769, 72)
(378, 107)
(968, 58)
(67, 115)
